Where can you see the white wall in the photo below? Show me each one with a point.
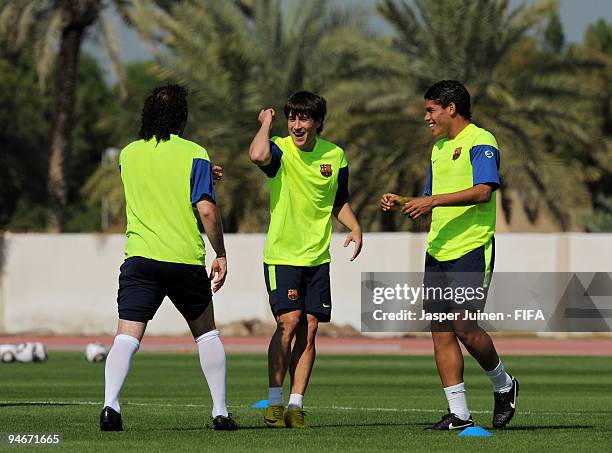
(67, 284)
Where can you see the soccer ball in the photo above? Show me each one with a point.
(95, 352)
(7, 353)
(25, 352)
(40, 352)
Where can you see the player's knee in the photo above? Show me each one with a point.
(441, 327)
(467, 337)
(313, 325)
(287, 324)
(442, 340)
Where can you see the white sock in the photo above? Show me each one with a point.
(457, 401)
(275, 395)
(212, 360)
(296, 401)
(117, 368)
(502, 382)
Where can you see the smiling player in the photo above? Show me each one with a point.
(308, 179)
(460, 194)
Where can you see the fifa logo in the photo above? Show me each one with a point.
(326, 170)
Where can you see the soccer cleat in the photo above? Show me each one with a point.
(451, 422)
(294, 418)
(274, 416)
(110, 420)
(223, 423)
(505, 405)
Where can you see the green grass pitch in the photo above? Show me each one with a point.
(354, 403)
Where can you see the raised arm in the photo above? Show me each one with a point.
(259, 151)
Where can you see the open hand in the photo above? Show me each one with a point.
(356, 237)
(218, 272)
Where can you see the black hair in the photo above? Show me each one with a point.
(446, 91)
(307, 103)
(164, 113)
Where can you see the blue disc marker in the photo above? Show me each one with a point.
(475, 431)
(261, 404)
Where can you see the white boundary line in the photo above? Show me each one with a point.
(339, 408)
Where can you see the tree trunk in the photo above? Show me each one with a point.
(77, 15)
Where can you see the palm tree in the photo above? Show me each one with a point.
(598, 43)
(238, 57)
(44, 25)
(533, 103)
(105, 189)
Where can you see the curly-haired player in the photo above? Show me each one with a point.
(165, 177)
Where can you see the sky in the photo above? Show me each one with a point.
(576, 16)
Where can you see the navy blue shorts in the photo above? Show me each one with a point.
(143, 284)
(299, 288)
(462, 283)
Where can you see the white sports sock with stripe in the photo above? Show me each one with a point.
(457, 401)
(296, 401)
(502, 382)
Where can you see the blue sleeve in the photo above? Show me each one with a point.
(427, 191)
(272, 168)
(342, 194)
(485, 165)
(201, 181)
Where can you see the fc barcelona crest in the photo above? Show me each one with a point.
(326, 170)
(457, 153)
(292, 294)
